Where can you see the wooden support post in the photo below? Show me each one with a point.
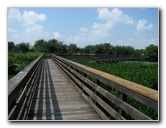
(96, 93)
(85, 75)
(124, 98)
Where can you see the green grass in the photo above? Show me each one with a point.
(17, 61)
(144, 73)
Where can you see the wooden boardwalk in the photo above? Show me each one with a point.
(47, 93)
(57, 99)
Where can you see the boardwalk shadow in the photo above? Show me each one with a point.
(57, 112)
(45, 101)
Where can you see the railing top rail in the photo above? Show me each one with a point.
(140, 89)
(17, 80)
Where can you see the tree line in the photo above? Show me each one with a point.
(59, 48)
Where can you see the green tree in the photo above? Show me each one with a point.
(89, 49)
(63, 48)
(106, 48)
(52, 46)
(129, 50)
(152, 52)
(118, 49)
(73, 49)
(99, 49)
(122, 50)
(11, 46)
(40, 46)
(32, 49)
(23, 47)
(139, 51)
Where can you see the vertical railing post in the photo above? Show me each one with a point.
(124, 98)
(99, 84)
(85, 75)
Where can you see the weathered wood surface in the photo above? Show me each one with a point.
(145, 91)
(15, 83)
(57, 99)
(20, 89)
(92, 87)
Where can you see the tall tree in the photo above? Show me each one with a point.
(11, 46)
(129, 50)
(152, 52)
(72, 49)
(40, 45)
(106, 48)
(63, 48)
(52, 46)
(122, 50)
(89, 49)
(23, 47)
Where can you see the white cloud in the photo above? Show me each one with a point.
(25, 26)
(34, 33)
(144, 25)
(103, 13)
(14, 14)
(111, 19)
(57, 35)
(26, 18)
(90, 37)
(115, 15)
(31, 17)
(30, 34)
(102, 29)
(37, 30)
(96, 34)
(100, 32)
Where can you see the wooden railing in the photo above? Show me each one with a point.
(106, 58)
(110, 96)
(21, 89)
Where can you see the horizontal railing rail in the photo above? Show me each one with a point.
(21, 89)
(106, 58)
(110, 96)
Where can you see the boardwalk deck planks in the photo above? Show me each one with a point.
(60, 89)
(56, 98)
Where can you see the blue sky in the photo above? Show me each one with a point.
(137, 27)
